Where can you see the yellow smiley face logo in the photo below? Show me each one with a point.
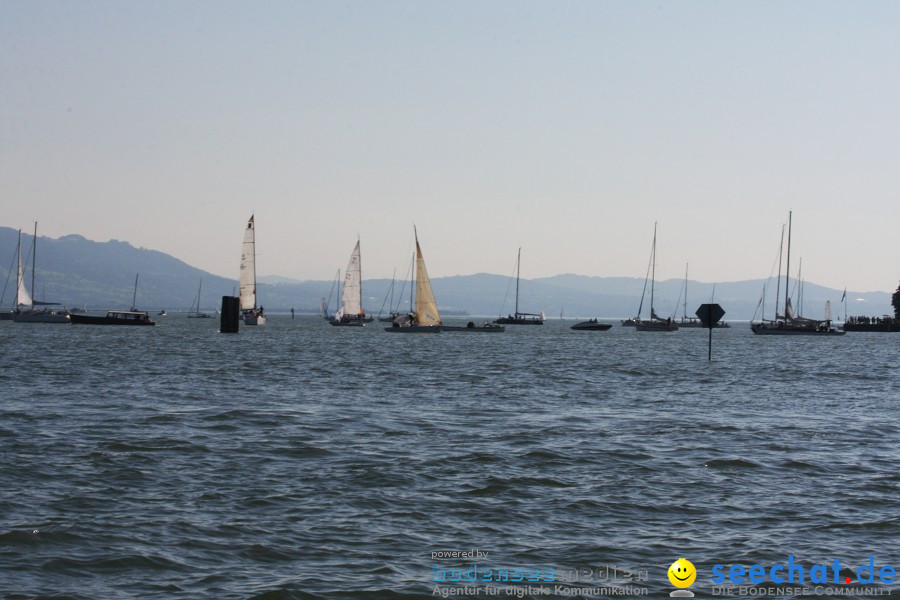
(682, 573)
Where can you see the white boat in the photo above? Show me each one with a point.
(27, 309)
(351, 312)
(426, 318)
(655, 323)
(791, 323)
(520, 318)
(195, 308)
(251, 314)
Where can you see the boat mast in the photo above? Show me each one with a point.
(787, 270)
(684, 314)
(359, 268)
(653, 270)
(134, 296)
(518, 267)
(34, 262)
(778, 280)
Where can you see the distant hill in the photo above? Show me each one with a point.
(78, 272)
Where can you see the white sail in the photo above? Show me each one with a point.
(248, 267)
(828, 310)
(426, 306)
(23, 298)
(351, 298)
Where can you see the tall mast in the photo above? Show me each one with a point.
(359, 267)
(134, 296)
(787, 269)
(684, 315)
(653, 270)
(518, 267)
(34, 261)
(778, 281)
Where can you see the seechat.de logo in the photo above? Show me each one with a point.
(792, 572)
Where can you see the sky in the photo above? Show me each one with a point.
(565, 128)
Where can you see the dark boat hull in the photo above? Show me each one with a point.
(476, 328)
(133, 319)
(415, 329)
(780, 328)
(590, 326)
(665, 326)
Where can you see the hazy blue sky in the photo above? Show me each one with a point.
(566, 128)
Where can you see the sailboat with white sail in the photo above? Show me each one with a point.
(520, 318)
(251, 314)
(655, 323)
(426, 318)
(351, 312)
(27, 309)
(791, 323)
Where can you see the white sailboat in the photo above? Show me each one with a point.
(655, 323)
(426, 318)
(251, 314)
(351, 312)
(27, 310)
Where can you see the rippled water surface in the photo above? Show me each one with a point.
(300, 460)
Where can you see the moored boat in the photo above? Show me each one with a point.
(791, 323)
(655, 323)
(520, 318)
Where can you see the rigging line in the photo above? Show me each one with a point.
(8, 273)
(408, 277)
(508, 285)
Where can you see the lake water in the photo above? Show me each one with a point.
(300, 460)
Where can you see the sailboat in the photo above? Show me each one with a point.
(27, 310)
(791, 323)
(195, 308)
(655, 323)
(520, 318)
(426, 318)
(351, 312)
(252, 314)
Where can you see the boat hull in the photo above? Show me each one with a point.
(763, 330)
(519, 320)
(40, 316)
(655, 326)
(472, 328)
(354, 323)
(123, 318)
(590, 326)
(414, 329)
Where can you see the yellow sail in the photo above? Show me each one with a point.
(426, 306)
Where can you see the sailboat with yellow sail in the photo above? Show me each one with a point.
(425, 318)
